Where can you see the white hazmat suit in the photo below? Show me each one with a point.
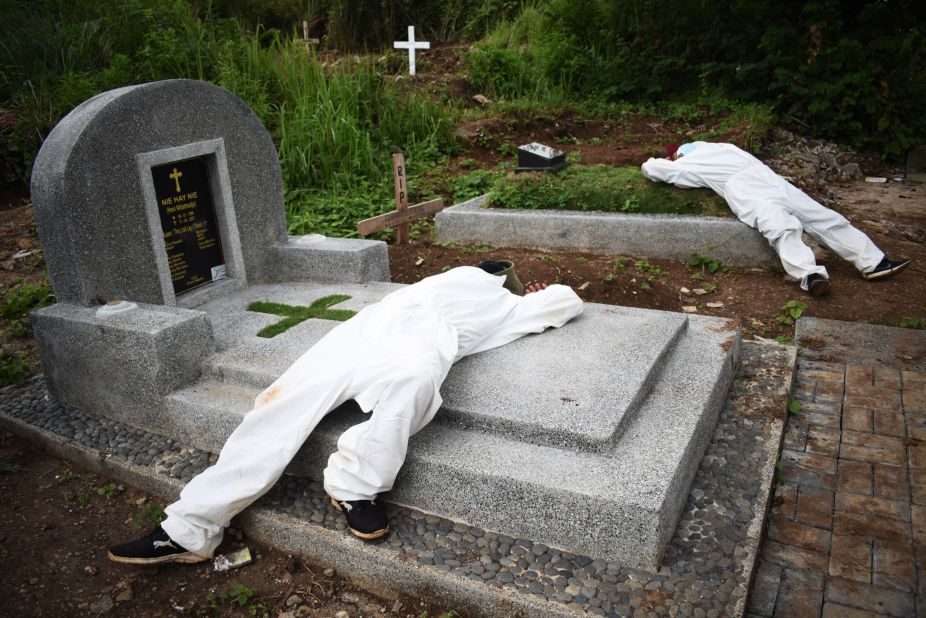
(764, 200)
(391, 358)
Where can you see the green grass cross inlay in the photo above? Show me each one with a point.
(294, 314)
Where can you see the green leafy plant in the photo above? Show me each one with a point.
(238, 595)
(643, 266)
(791, 311)
(467, 186)
(151, 513)
(794, 405)
(705, 263)
(784, 340)
(913, 322)
(109, 490)
(20, 299)
(13, 369)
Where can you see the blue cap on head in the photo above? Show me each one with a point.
(685, 148)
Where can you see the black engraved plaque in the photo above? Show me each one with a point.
(191, 236)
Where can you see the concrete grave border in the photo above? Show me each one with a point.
(675, 237)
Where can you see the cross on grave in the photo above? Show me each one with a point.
(295, 314)
(403, 214)
(305, 37)
(411, 45)
(175, 176)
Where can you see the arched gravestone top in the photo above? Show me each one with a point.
(97, 209)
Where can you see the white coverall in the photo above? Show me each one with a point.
(391, 358)
(764, 200)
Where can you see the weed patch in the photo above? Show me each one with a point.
(790, 311)
(604, 189)
(294, 314)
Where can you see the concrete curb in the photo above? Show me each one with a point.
(675, 237)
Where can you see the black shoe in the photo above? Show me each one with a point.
(153, 548)
(365, 518)
(886, 268)
(818, 285)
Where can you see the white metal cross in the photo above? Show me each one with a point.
(411, 45)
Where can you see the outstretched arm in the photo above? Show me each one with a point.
(538, 310)
(673, 172)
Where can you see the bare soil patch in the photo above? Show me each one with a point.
(57, 521)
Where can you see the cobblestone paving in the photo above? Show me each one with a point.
(704, 573)
(847, 531)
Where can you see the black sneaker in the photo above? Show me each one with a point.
(818, 285)
(365, 518)
(153, 548)
(886, 268)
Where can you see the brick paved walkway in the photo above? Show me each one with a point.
(847, 530)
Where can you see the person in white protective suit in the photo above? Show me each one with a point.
(764, 200)
(391, 358)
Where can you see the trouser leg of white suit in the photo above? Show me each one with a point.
(252, 460)
(783, 231)
(833, 230)
(371, 453)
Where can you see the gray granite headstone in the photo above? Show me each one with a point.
(98, 217)
(151, 200)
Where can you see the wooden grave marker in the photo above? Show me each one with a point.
(403, 213)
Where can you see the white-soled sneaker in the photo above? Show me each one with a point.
(156, 547)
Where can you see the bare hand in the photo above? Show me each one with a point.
(534, 287)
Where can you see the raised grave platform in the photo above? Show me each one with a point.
(652, 236)
(588, 441)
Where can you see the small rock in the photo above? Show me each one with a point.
(102, 606)
(690, 309)
(125, 596)
(286, 615)
(717, 305)
(699, 291)
(851, 170)
(684, 290)
(294, 599)
(481, 99)
(141, 501)
(342, 614)
(328, 572)
(90, 569)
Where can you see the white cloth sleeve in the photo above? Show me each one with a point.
(551, 307)
(664, 170)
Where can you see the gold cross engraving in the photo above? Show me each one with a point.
(175, 176)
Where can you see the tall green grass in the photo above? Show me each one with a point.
(335, 126)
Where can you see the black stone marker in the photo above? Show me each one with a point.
(539, 158)
(191, 236)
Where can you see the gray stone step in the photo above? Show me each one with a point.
(493, 389)
(620, 500)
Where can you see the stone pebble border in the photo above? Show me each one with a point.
(707, 568)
